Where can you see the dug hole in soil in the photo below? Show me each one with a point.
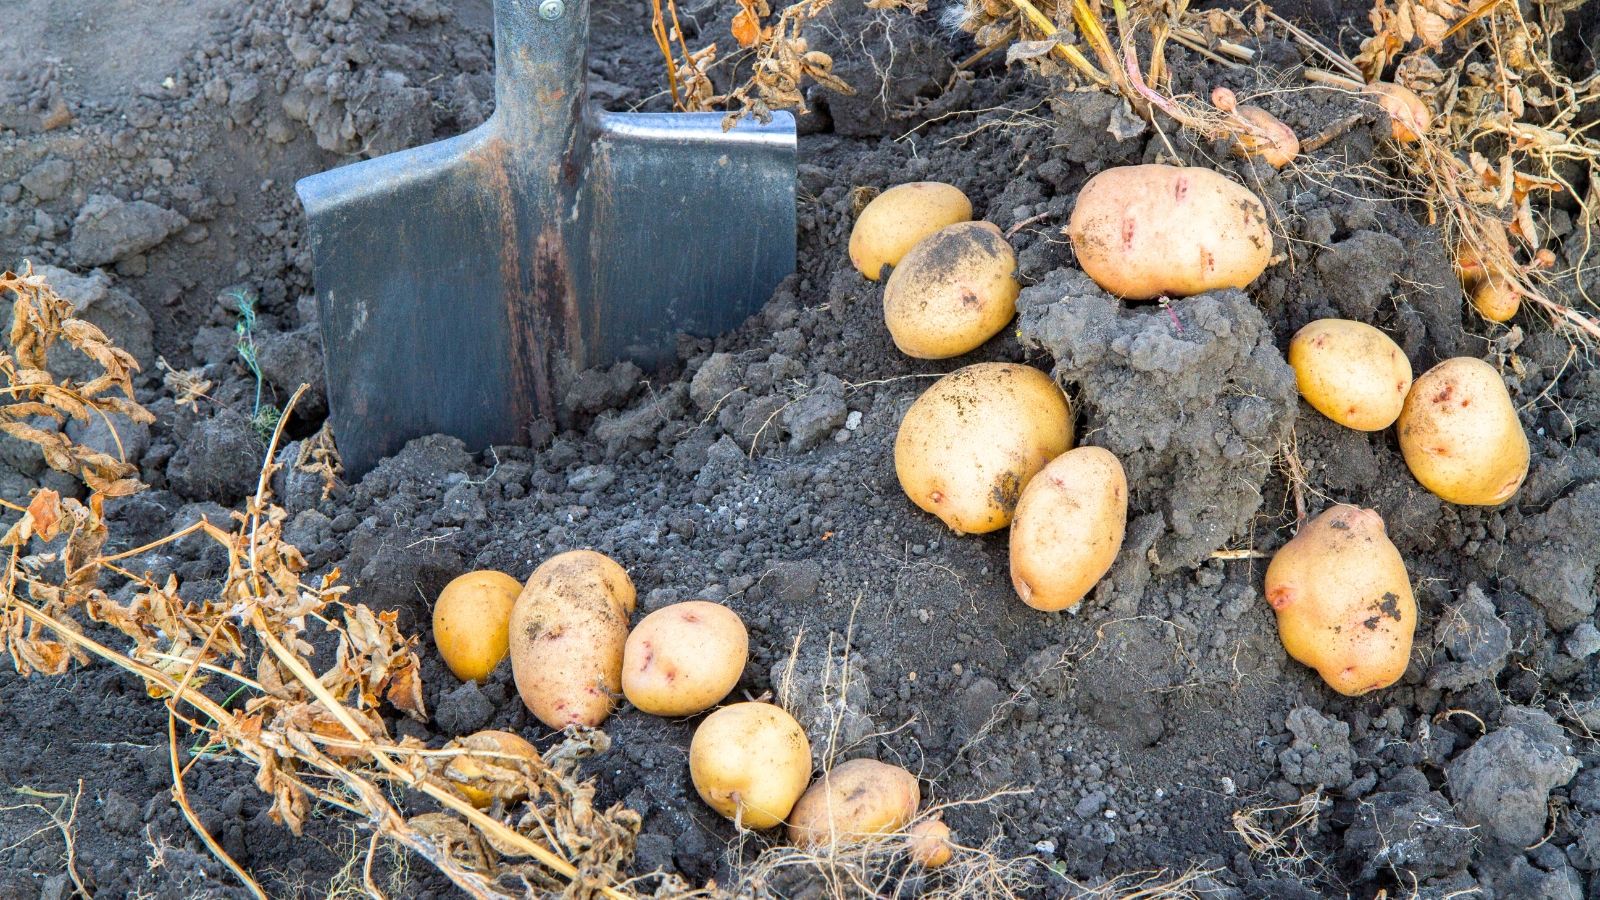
(155, 187)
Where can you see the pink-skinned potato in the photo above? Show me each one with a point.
(1343, 600)
(568, 630)
(1143, 232)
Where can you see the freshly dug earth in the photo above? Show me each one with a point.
(758, 473)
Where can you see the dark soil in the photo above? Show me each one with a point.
(758, 472)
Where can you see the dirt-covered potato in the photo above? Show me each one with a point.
(898, 218)
(568, 629)
(929, 843)
(1344, 601)
(1461, 436)
(952, 292)
(1350, 372)
(684, 658)
(474, 778)
(1068, 528)
(1146, 231)
(861, 798)
(971, 443)
(750, 762)
(471, 620)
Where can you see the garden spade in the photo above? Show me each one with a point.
(461, 284)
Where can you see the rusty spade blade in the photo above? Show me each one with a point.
(461, 284)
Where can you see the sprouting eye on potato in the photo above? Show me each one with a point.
(471, 775)
(471, 620)
(855, 800)
(750, 762)
(1461, 436)
(898, 218)
(1143, 232)
(1350, 372)
(1068, 528)
(970, 444)
(952, 291)
(568, 630)
(1343, 601)
(683, 659)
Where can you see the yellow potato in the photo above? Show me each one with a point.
(1149, 231)
(1068, 528)
(750, 762)
(1350, 372)
(1344, 601)
(861, 798)
(684, 658)
(1494, 294)
(952, 292)
(470, 622)
(1496, 298)
(929, 843)
(898, 218)
(970, 444)
(1460, 434)
(466, 773)
(568, 629)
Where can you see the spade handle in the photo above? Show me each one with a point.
(541, 54)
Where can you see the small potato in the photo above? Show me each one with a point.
(1068, 528)
(862, 798)
(1257, 132)
(467, 774)
(1143, 232)
(929, 843)
(898, 218)
(683, 659)
(970, 444)
(750, 762)
(1344, 601)
(1408, 115)
(952, 292)
(1494, 294)
(1461, 436)
(1350, 372)
(568, 629)
(471, 620)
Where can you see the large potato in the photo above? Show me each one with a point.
(971, 443)
(684, 658)
(1068, 528)
(1147, 231)
(1351, 372)
(568, 629)
(750, 762)
(471, 620)
(862, 798)
(1344, 601)
(474, 777)
(1460, 434)
(952, 292)
(898, 218)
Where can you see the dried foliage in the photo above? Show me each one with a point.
(314, 739)
(782, 61)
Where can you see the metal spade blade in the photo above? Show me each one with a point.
(460, 284)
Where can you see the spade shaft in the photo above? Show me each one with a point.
(462, 284)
